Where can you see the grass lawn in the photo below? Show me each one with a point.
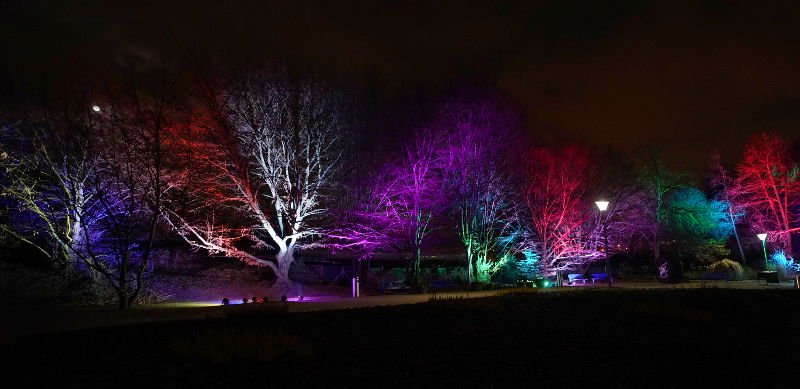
(588, 338)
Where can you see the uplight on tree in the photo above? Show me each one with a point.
(602, 205)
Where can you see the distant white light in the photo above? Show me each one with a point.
(762, 236)
(602, 205)
(96, 108)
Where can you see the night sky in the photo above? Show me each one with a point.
(691, 76)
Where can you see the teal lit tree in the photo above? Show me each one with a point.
(698, 224)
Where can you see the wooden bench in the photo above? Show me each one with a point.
(713, 276)
(771, 277)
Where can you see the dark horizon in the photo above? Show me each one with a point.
(690, 77)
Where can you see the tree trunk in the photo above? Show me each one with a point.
(656, 247)
(739, 245)
(124, 301)
(284, 260)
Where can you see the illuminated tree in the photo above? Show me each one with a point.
(657, 183)
(128, 187)
(768, 187)
(558, 179)
(699, 224)
(91, 182)
(727, 191)
(265, 152)
(405, 197)
(479, 182)
(48, 160)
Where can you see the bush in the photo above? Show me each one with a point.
(733, 268)
(786, 266)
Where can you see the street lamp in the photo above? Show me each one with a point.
(763, 237)
(603, 206)
(96, 108)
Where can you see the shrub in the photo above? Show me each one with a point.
(733, 268)
(785, 265)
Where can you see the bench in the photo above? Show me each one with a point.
(713, 276)
(575, 277)
(771, 277)
(600, 277)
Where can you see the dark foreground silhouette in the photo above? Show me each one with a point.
(631, 338)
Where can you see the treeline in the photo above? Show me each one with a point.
(255, 163)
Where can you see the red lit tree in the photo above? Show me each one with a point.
(560, 213)
(768, 186)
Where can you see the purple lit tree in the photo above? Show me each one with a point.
(406, 195)
(480, 183)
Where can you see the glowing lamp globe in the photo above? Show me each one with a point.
(763, 236)
(602, 205)
(96, 108)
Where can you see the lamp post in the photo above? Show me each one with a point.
(763, 237)
(603, 206)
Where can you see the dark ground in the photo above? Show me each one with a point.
(592, 338)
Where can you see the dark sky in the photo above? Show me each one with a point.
(690, 76)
